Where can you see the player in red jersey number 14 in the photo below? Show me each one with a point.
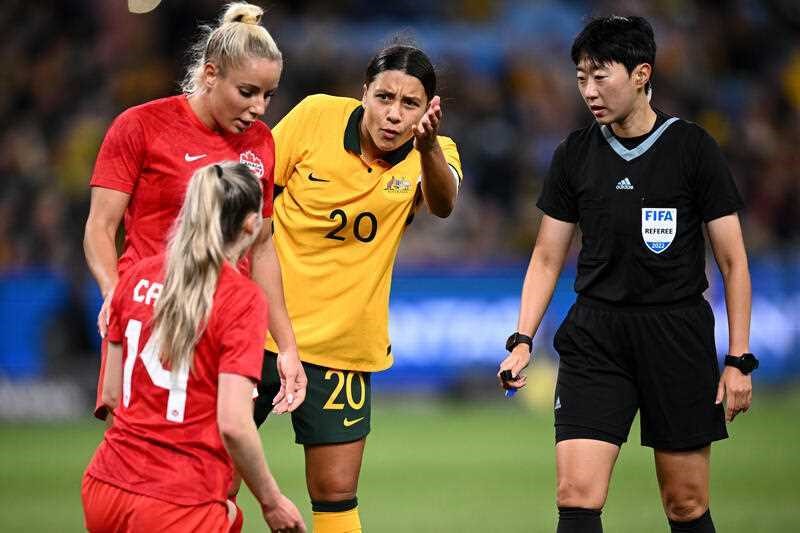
(185, 337)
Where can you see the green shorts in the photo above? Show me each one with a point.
(336, 409)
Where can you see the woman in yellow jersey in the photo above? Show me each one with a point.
(351, 175)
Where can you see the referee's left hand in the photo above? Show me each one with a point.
(426, 130)
(737, 389)
(517, 361)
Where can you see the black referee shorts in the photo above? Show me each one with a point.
(659, 359)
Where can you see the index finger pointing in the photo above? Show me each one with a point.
(433, 118)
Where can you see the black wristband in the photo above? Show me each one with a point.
(518, 338)
(746, 362)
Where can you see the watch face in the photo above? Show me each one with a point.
(511, 342)
(748, 363)
(515, 339)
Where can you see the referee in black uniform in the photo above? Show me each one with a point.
(640, 184)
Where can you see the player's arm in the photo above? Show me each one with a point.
(439, 186)
(99, 243)
(725, 234)
(547, 260)
(241, 440)
(266, 271)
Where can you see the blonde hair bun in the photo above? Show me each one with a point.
(242, 12)
(239, 35)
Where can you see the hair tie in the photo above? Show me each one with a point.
(245, 18)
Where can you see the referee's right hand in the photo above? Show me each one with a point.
(516, 362)
(737, 390)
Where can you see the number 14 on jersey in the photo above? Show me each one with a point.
(173, 381)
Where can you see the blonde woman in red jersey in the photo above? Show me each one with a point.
(151, 150)
(185, 341)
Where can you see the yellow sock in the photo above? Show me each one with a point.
(342, 522)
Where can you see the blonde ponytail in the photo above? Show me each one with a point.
(218, 199)
(238, 36)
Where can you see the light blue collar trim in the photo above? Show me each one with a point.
(633, 153)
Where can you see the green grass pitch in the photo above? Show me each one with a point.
(448, 467)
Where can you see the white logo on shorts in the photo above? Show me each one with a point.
(558, 403)
(658, 227)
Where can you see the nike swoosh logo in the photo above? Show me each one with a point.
(347, 423)
(312, 178)
(190, 158)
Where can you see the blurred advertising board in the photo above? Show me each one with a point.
(444, 322)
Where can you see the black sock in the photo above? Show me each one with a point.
(704, 524)
(579, 520)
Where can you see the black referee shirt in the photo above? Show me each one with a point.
(640, 204)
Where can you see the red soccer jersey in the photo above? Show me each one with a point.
(165, 441)
(150, 153)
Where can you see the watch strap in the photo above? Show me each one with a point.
(745, 362)
(517, 338)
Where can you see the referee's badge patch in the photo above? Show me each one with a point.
(658, 227)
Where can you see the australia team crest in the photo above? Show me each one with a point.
(253, 162)
(658, 227)
(398, 185)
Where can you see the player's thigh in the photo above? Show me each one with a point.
(683, 478)
(333, 423)
(583, 472)
(332, 470)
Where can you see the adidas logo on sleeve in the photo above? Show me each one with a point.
(624, 185)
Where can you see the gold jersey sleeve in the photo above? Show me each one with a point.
(338, 225)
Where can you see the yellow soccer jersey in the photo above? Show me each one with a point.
(338, 224)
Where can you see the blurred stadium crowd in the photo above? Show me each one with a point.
(504, 73)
